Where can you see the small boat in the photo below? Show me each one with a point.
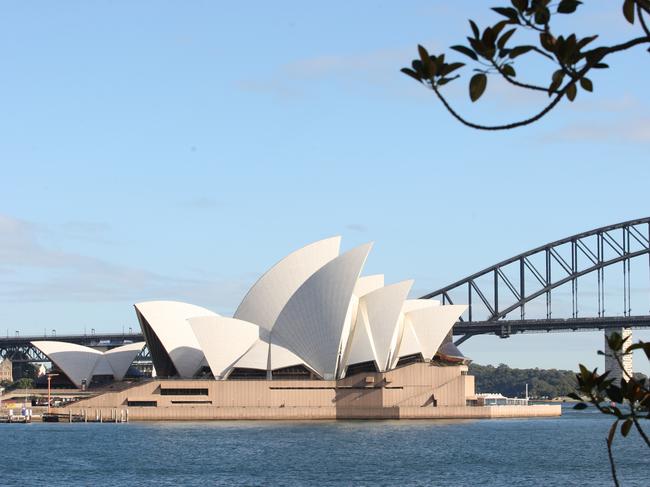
(19, 418)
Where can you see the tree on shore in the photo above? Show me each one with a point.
(542, 383)
(571, 59)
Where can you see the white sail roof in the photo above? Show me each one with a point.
(78, 362)
(432, 325)
(409, 344)
(168, 320)
(408, 306)
(260, 357)
(311, 323)
(362, 347)
(415, 304)
(121, 358)
(384, 307)
(256, 357)
(268, 296)
(223, 341)
(281, 358)
(75, 361)
(367, 284)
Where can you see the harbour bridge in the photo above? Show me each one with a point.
(595, 280)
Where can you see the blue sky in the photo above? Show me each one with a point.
(175, 150)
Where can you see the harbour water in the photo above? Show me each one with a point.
(565, 451)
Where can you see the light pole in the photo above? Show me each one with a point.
(49, 398)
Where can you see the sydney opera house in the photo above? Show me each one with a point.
(313, 338)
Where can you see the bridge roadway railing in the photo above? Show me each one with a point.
(104, 339)
(505, 328)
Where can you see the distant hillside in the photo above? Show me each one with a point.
(512, 382)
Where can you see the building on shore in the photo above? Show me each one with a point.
(6, 371)
(311, 339)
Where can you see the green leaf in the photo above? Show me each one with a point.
(625, 427)
(556, 81)
(547, 41)
(586, 40)
(615, 394)
(580, 405)
(479, 47)
(444, 81)
(628, 10)
(519, 50)
(612, 432)
(501, 43)
(586, 84)
(509, 70)
(601, 66)
(465, 50)
(568, 6)
(429, 68)
(498, 27)
(643, 345)
(475, 30)
(450, 68)
(477, 86)
(424, 55)
(520, 5)
(508, 12)
(489, 37)
(584, 371)
(542, 16)
(412, 74)
(615, 341)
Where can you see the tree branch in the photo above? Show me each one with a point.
(529, 24)
(640, 11)
(509, 126)
(545, 54)
(605, 51)
(611, 464)
(517, 83)
(600, 53)
(640, 430)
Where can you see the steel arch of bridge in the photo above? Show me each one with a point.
(595, 250)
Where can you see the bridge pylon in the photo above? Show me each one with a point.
(612, 364)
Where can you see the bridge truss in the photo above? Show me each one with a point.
(591, 269)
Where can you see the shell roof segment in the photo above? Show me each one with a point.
(312, 322)
(223, 341)
(384, 306)
(265, 300)
(78, 362)
(168, 320)
(121, 358)
(431, 325)
(75, 361)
